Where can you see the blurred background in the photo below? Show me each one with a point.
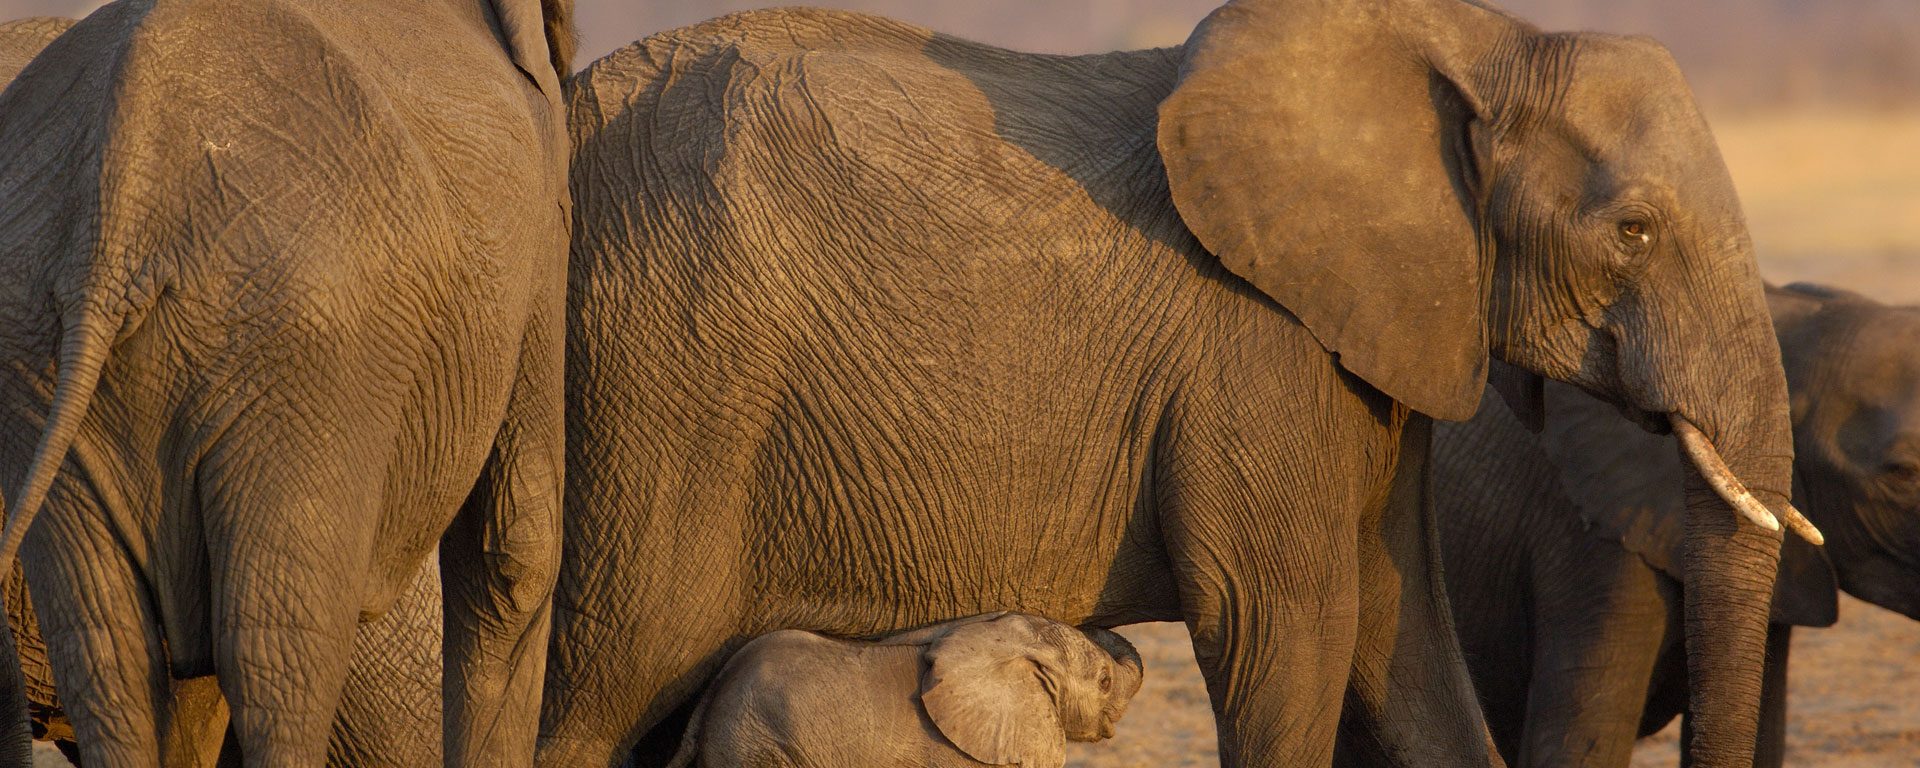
(1816, 104)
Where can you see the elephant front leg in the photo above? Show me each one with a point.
(499, 562)
(1268, 592)
(1598, 628)
(1410, 700)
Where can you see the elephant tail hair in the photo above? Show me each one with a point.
(81, 357)
(690, 741)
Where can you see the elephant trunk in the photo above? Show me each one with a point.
(1729, 567)
(1731, 415)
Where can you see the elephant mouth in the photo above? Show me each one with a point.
(1705, 458)
(1656, 422)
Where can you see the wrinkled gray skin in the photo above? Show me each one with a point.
(287, 284)
(997, 689)
(390, 708)
(1571, 617)
(27, 701)
(871, 328)
(22, 39)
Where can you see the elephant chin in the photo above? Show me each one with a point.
(1700, 451)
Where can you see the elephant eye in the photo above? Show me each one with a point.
(1901, 470)
(1636, 232)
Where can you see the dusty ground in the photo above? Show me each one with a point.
(1853, 701)
(1831, 199)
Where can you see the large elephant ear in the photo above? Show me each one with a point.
(1323, 151)
(540, 39)
(1630, 487)
(984, 690)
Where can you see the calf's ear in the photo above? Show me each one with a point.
(985, 689)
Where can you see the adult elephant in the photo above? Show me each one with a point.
(872, 327)
(390, 705)
(286, 307)
(1571, 617)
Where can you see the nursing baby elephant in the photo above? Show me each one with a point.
(871, 328)
(1562, 550)
(999, 689)
(285, 307)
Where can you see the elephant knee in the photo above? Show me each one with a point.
(522, 582)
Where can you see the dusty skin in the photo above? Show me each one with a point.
(1845, 213)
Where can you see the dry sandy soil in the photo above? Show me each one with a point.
(1832, 199)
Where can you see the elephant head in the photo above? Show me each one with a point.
(1005, 690)
(1854, 375)
(1426, 183)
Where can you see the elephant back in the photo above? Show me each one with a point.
(971, 143)
(22, 39)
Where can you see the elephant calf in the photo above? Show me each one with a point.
(1562, 549)
(994, 689)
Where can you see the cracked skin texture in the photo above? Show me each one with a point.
(391, 704)
(324, 314)
(816, 390)
(871, 328)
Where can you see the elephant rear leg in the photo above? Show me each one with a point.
(288, 558)
(498, 565)
(621, 675)
(103, 638)
(390, 710)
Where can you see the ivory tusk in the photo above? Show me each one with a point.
(1700, 451)
(1798, 523)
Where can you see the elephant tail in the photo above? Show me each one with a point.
(690, 741)
(82, 356)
